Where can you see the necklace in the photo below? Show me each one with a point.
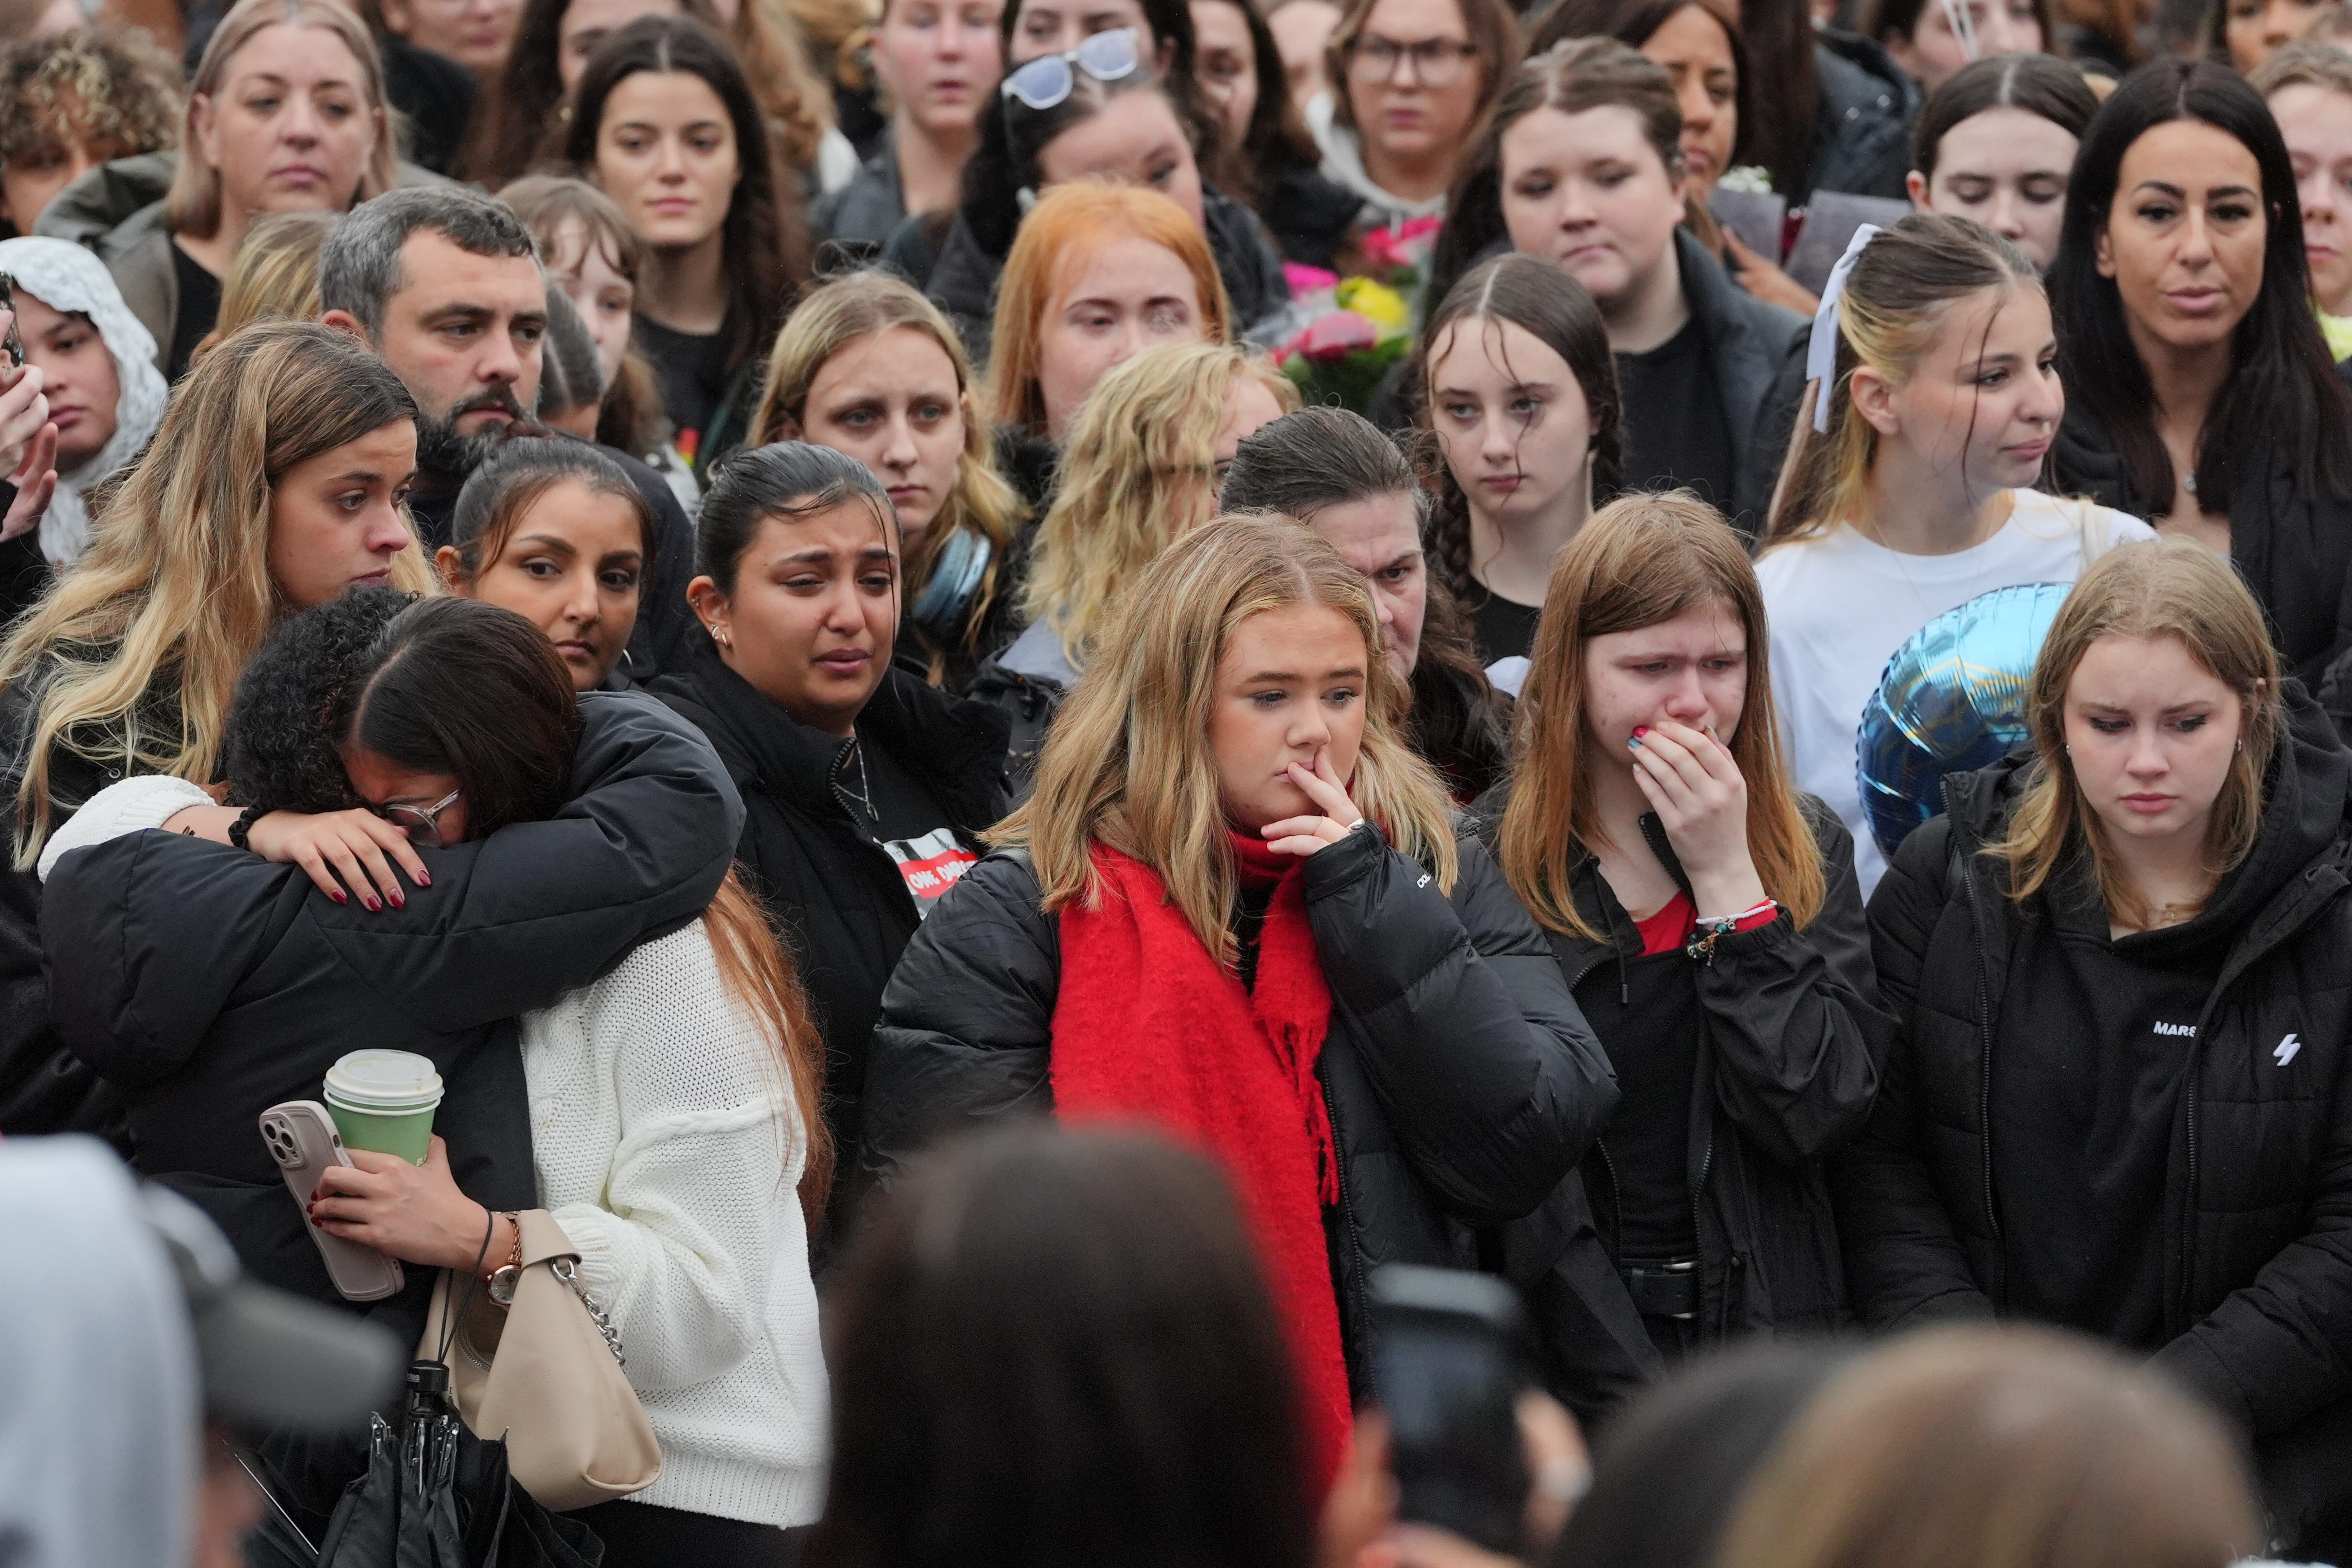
(864, 793)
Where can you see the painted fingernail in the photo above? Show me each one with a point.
(339, 895)
(423, 878)
(399, 902)
(372, 903)
(1633, 740)
(1641, 728)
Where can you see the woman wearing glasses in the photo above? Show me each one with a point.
(1410, 80)
(661, 1106)
(274, 483)
(1095, 112)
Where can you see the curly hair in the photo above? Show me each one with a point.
(447, 686)
(111, 92)
(296, 699)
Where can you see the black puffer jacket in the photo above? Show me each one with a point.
(1785, 1078)
(1463, 1083)
(2258, 1196)
(207, 984)
(1758, 353)
(845, 911)
(2292, 548)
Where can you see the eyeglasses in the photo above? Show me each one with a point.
(1373, 59)
(420, 819)
(1049, 80)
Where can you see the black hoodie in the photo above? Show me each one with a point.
(2249, 1230)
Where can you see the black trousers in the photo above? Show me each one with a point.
(644, 1536)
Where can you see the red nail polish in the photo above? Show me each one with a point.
(423, 878)
(1641, 728)
(339, 895)
(372, 903)
(399, 902)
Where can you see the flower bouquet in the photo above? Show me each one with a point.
(1348, 332)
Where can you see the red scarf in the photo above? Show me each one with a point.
(1147, 1026)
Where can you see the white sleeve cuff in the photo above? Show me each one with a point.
(132, 806)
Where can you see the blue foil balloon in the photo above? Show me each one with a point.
(1952, 700)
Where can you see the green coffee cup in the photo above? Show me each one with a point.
(384, 1101)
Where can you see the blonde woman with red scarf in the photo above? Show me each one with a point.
(1236, 908)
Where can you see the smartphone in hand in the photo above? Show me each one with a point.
(302, 1139)
(1448, 1366)
(13, 343)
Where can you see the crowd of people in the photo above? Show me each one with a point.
(764, 594)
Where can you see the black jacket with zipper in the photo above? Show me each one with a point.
(1785, 1078)
(2258, 1194)
(1463, 1084)
(842, 903)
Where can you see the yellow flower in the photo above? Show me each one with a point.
(1382, 307)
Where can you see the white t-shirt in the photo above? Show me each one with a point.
(1839, 605)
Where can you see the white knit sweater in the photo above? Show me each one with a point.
(670, 1149)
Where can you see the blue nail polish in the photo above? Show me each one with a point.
(1634, 742)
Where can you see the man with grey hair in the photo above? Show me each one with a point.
(443, 284)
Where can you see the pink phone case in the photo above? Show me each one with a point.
(302, 1139)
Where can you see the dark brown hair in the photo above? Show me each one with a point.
(764, 245)
(1532, 294)
(517, 473)
(1056, 1350)
(2038, 84)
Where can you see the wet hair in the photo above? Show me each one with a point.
(1305, 464)
(1533, 294)
(1893, 314)
(1572, 77)
(2037, 84)
(438, 685)
(1668, 1471)
(764, 246)
(789, 479)
(517, 474)
(2283, 389)
(107, 92)
(1058, 1350)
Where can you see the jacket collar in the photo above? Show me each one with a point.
(955, 748)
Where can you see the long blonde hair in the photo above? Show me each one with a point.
(2173, 588)
(1983, 1447)
(1892, 314)
(175, 591)
(273, 277)
(1140, 471)
(867, 304)
(192, 205)
(1060, 235)
(1126, 763)
(755, 969)
(1642, 559)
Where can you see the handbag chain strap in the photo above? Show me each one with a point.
(562, 1267)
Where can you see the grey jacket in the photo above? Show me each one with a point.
(117, 210)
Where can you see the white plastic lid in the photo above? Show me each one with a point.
(391, 1082)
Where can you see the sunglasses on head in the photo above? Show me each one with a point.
(1049, 80)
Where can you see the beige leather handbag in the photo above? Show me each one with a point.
(546, 1374)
